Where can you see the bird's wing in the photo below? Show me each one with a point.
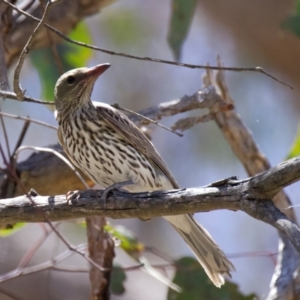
(134, 136)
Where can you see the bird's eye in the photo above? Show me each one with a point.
(70, 79)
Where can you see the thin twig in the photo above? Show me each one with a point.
(25, 8)
(187, 123)
(17, 88)
(5, 135)
(29, 254)
(191, 66)
(42, 266)
(27, 119)
(9, 294)
(269, 254)
(117, 106)
(70, 269)
(14, 96)
(20, 139)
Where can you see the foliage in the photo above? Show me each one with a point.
(182, 14)
(195, 284)
(295, 149)
(70, 57)
(11, 229)
(125, 239)
(292, 23)
(118, 277)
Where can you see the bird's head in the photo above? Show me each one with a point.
(75, 86)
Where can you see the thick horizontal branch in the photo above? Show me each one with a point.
(246, 195)
(120, 204)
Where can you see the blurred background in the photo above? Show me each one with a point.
(245, 34)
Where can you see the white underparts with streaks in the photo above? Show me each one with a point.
(105, 156)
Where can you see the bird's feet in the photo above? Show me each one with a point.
(114, 186)
(72, 196)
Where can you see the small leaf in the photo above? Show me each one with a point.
(10, 229)
(118, 277)
(195, 284)
(71, 56)
(126, 239)
(295, 149)
(182, 15)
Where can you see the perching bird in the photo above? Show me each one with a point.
(113, 151)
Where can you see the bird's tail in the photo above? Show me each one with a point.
(208, 253)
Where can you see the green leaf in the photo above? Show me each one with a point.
(70, 56)
(195, 284)
(43, 61)
(76, 56)
(182, 15)
(10, 229)
(118, 277)
(295, 149)
(298, 7)
(292, 24)
(126, 239)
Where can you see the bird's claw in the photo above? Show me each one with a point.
(112, 187)
(73, 196)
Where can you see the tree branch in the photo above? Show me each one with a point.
(246, 195)
(242, 143)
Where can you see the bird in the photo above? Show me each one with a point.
(106, 145)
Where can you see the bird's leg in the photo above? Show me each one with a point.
(74, 195)
(112, 187)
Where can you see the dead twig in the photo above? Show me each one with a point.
(117, 106)
(17, 88)
(27, 119)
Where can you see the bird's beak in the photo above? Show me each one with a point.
(94, 72)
